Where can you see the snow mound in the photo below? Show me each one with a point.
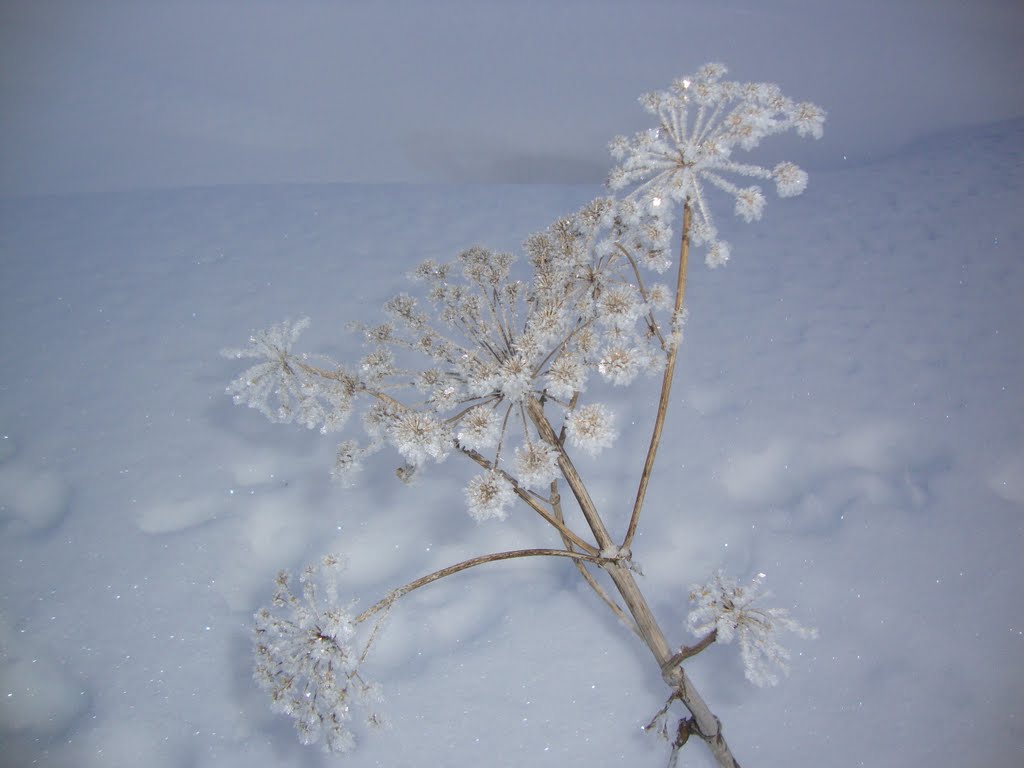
(171, 517)
(31, 499)
(808, 485)
(40, 696)
(1007, 481)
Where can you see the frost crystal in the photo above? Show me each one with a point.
(591, 428)
(789, 180)
(566, 376)
(479, 429)
(419, 436)
(619, 306)
(306, 661)
(725, 607)
(536, 465)
(489, 495)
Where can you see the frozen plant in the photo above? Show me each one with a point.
(487, 366)
(701, 121)
(728, 610)
(307, 661)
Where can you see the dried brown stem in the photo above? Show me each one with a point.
(666, 384)
(569, 537)
(690, 650)
(581, 566)
(704, 723)
(651, 322)
(536, 413)
(464, 565)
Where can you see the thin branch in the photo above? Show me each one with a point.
(558, 349)
(651, 322)
(476, 403)
(689, 650)
(495, 557)
(572, 477)
(666, 385)
(573, 402)
(492, 301)
(501, 435)
(625, 618)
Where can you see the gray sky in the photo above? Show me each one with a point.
(123, 94)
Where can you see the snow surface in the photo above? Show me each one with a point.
(848, 419)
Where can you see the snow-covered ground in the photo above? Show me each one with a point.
(848, 419)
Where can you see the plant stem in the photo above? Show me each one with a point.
(464, 565)
(581, 566)
(652, 324)
(569, 537)
(691, 650)
(666, 382)
(536, 413)
(705, 724)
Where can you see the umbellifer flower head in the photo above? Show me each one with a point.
(702, 120)
(306, 659)
(726, 607)
(488, 495)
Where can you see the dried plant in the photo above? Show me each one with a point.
(495, 370)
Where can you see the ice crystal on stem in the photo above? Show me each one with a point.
(727, 608)
(536, 465)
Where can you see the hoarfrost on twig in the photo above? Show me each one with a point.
(728, 608)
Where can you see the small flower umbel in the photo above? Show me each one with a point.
(701, 121)
(284, 387)
(728, 609)
(307, 662)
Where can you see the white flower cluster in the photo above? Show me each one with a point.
(306, 661)
(282, 386)
(466, 369)
(489, 495)
(727, 608)
(701, 121)
(591, 428)
(490, 343)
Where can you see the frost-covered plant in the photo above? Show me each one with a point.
(493, 368)
(701, 121)
(306, 659)
(728, 610)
